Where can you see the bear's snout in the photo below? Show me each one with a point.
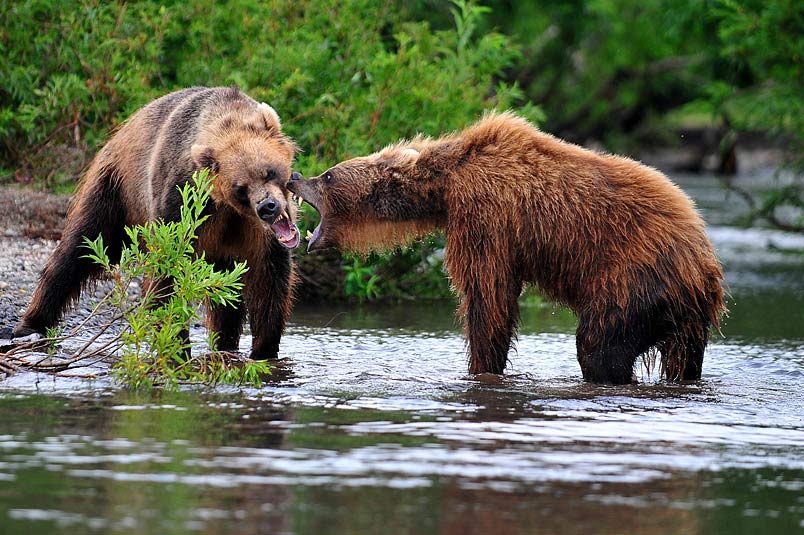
(268, 210)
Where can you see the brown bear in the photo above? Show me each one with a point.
(135, 179)
(613, 240)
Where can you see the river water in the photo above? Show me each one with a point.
(372, 426)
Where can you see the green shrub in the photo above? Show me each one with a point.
(71, 71)
(360, 281)
(155, 345)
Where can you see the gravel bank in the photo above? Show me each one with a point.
(29, 220)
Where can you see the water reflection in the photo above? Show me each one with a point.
(556, 453)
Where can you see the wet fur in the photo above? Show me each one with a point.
(610, 238)
(134, 179)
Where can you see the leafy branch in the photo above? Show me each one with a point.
(154, 345)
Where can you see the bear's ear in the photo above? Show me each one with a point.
(204, 157)
(399, 157)
(409, 155)
(405, 157)
(271, 118)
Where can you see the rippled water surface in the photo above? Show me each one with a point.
(372, 426)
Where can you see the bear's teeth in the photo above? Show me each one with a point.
(309, 235)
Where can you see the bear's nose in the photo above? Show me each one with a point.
(296, 176)
(268, 209)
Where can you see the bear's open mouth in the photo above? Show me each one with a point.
(313, 236)
(286, 231)
(304, 191)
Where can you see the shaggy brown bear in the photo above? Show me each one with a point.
(134, 179)
(612, 239)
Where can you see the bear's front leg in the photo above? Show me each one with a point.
(226, 321)
(488, 294)
(268, 298)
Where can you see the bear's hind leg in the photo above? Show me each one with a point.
(683, 353)
(607, 353)
(610, 364)
(98, 211)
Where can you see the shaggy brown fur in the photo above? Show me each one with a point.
(134, 179)
(614, 240)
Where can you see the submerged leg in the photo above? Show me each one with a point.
(610, 364)
(608, 346)
(683, 353)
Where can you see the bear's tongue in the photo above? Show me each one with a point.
(286, 232)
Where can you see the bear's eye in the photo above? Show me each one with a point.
(241, 193)
(328, 177)
(270, 175)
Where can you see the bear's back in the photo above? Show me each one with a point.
(151, 151)
(574, 214)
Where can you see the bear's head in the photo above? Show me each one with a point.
(372, 202)
(251, 159)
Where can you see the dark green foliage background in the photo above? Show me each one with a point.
(345, 76)
(348, 77)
